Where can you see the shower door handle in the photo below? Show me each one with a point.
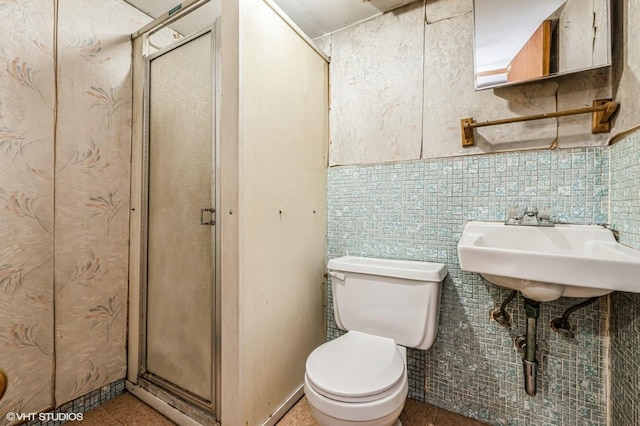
(211, 222)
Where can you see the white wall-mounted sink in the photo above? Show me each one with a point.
(545, 263)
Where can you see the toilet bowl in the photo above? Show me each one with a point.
(385, 305)
(357, 379)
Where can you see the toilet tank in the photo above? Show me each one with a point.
(398, 299)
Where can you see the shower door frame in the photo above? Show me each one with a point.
(154, 384)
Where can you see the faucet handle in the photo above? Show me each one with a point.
(544, 213)
(513, 216)
(513, 213)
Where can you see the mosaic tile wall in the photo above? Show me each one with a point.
(84, 403)
(625, 312)
(417, 211)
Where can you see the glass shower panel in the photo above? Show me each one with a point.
(180, 287)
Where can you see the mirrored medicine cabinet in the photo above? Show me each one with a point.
(519, 41)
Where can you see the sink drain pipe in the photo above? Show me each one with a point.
(529, 362)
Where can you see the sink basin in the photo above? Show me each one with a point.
(545, 263)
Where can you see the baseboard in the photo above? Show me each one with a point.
(284, 407)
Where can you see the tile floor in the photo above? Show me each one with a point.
(414, 414)
(124, 410)
(127, 410)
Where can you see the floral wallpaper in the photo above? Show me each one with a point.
(92, 193)
(64, 192)
(27, 101)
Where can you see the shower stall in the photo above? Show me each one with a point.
(179, 285)
(228, 215)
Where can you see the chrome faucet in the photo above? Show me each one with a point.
(530, 218)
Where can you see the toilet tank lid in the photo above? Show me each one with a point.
(407, 269)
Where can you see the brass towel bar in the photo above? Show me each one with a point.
(602, 110)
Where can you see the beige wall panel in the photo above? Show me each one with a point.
(231, 304)
(376, 89)
(449, 93)
(27, 101)
(627, 89)
(449, 96)
(436, 10)
(577, 46)
(283, 149)
(92, 193)
(575, 35)
(602, 20)
(578, 91)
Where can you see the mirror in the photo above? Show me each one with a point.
(525, 40)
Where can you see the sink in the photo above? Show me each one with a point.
(546, 263)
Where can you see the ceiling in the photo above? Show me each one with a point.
(314, 17)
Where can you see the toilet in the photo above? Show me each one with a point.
(385, 305)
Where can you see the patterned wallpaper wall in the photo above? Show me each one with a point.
(27, 101)
(88, 210)
(92, 193)
(417, 210)
(401, 83)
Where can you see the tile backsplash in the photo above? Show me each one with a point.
(625, 308)
(417, 210)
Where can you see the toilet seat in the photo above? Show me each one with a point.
(356, 367)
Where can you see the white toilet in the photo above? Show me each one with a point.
(360, 378)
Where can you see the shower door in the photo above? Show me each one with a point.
(179, 344)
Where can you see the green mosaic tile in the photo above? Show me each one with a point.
(417, 211)
(625, 310)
